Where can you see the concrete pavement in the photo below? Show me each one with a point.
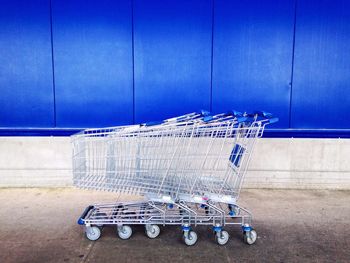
(39, 225)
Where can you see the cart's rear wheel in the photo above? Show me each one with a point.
(153, 231)
(250, 237)
(191, 238)
(124, 232)
(93, 233)
(222, 238)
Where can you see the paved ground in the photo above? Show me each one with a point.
(39, 225)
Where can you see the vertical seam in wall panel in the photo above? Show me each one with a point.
(53, 68)
(212, 55)
(133, 61)
(292, 71)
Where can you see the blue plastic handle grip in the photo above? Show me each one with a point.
(273, 120)
(234, 113)
(207, 118)
(152, 123)
(242, 119)
(263, 114)
(204, 113)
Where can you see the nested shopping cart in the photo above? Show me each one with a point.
(189, 169)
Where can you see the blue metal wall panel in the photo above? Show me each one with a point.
(252, 60)
(26, 92)
(93, 62)
(175, 70)
(321, 83)
(172, 57)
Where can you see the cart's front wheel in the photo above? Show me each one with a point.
(93, 233)
(191, 238)
(124, 232)
(250, 237)
(152, 231)
(222, 237)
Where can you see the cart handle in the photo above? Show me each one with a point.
(263, 114)
(238, 115)
(273, 120)
(267, 115)
(201, 113)
(234, 113)
(152, 123)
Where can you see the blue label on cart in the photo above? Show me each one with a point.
(236, 155)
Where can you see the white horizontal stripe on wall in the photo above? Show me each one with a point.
(276, 163)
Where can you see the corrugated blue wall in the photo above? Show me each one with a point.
(66, 65)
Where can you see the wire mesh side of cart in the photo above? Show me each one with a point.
(92, 147)
(187, 158)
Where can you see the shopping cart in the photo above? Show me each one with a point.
(190, 170)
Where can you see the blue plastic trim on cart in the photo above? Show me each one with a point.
(234, 113)
(247, 228)
(242, 119)
(80, 221)
(152, 123)
(268, 133)
(217, 228)
(204, 113)
(82, 217)
(273, 120)
(208, 118)
(263, 114)
(186, 228)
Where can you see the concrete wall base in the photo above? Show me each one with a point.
(276, 163)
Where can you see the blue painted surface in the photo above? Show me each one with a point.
(172, 57)
(93, 62)
(67, 65)
(268, 133)
(321, 82)
(26, 92)
(252, 60)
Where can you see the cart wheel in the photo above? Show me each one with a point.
(191, 238)
(93, 233)
(222, 238)
(124, 232)
(153, 231)
(250, 237)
